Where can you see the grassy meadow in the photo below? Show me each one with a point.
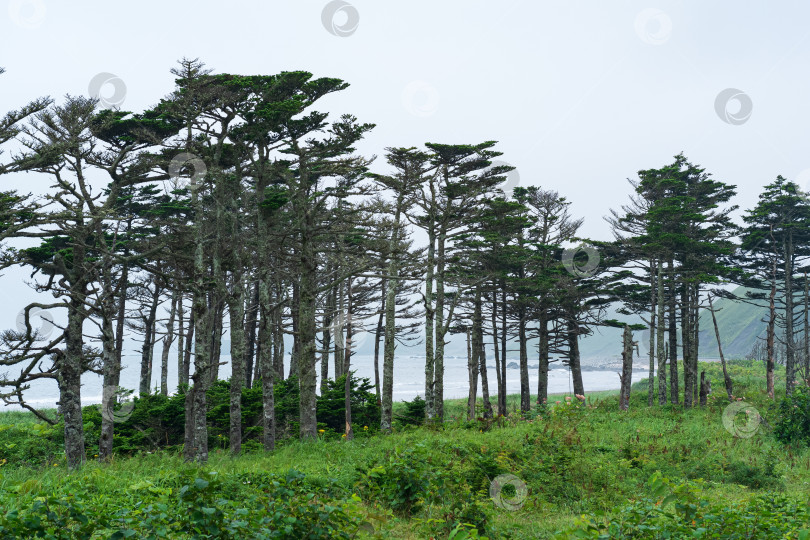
(589, 471)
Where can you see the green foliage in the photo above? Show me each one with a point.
(401, 482)
(576, 457)
(414, 413)
(153, 422)
(203, 506)
(30, 444)
(793, 422)
(331, 406)
(681, 510)
(157, 422)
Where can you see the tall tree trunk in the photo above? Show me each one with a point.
(500, 382)
(270, 331)
(200, 379)
(196, 443)
(472, 375)
(267, 369)
(236, 315)
(347, 363)
(806, 374)
(525, 392)
(252, 317)
(662, 356)
(770, 361)
(686, 341)
(216, 339)
(726, 378)
(441, 328)
(181, 334)
(340, 325)
(167, 343)
(653, 322)
(122, 311)
(305, 354)
(695, 309)
(482, 355)
(185, 374)
(430, 365)
(378, 334)
(149, 341)
(326, 333)
(790, 357)
(573, 356)
(278, 341)
(627, 368)
(295, 316)
(504, 340)
(386, 413)
(542, 349)
(326, 343)
(69, 379)
(480, 350)
(112, 374)
(673, 339)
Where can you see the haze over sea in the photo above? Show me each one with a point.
(409, 374)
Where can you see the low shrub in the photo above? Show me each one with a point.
(402, 481)
(793, 421)
(201, 507)
(683, 511)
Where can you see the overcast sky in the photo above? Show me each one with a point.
(580, 95)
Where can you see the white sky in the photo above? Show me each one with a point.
(575, 96)
(579, 94)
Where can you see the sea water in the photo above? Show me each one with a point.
(409, 378)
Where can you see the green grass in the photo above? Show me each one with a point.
(574, 460)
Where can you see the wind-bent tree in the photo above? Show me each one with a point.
(461, 176)
(776, 241)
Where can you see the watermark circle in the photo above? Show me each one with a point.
(803, 181)
(342, 321)
(194, 161)
(43, 331)
(512, 177)
(751, 425)
(725, 98)
(581, 270)
(330, 17)
(420, 98)
(103, 80)
(653, 26)
(27, 14)
(508, 503)
(108, 402)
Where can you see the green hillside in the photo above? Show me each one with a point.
(740, 325)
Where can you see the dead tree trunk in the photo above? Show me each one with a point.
(705, 388)
(726, 378)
